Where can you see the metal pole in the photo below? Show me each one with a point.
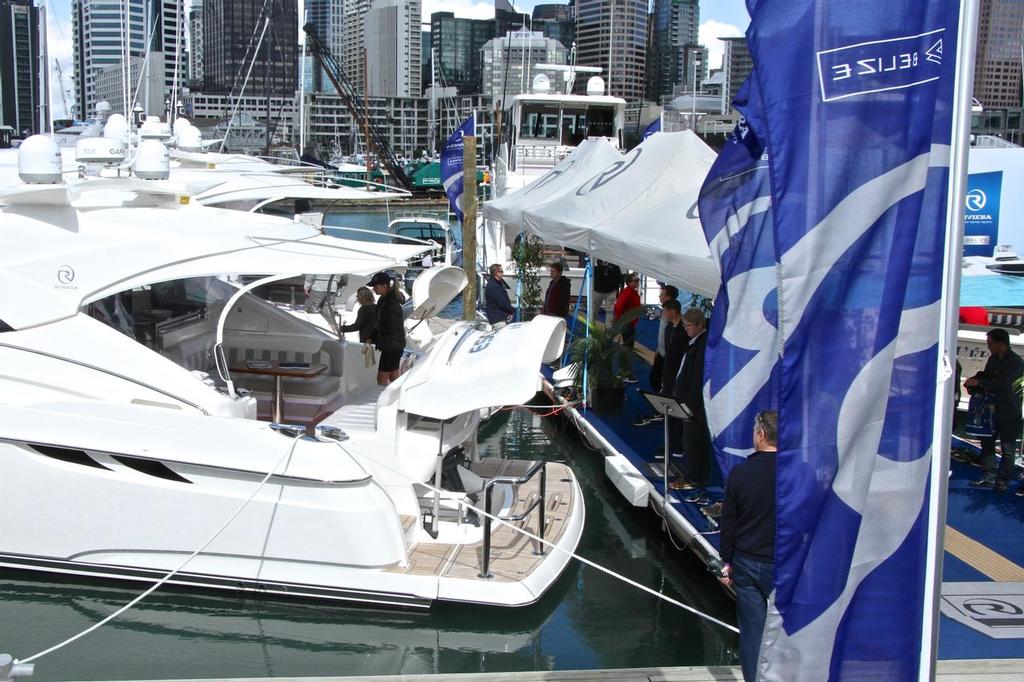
(693, 97)
(437, 482)
(541, 521)
(664, 473)
(469, 223)
(942, 424)
(485, 560)
(44, 74)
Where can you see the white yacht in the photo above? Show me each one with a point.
(544, 127)
(139, 378)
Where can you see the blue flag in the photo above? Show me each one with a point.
(652, 127)
(741, 369)
(853, 105)
(451, 164)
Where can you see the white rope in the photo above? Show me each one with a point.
(174, 572)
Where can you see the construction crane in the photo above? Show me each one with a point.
(63, 90)
(376, 142)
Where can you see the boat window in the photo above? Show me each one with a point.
(176, 318)
(539, 122)
(574, 126)
(601, 122)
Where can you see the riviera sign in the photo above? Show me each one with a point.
(880, 65)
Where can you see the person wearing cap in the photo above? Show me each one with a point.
(389, 335)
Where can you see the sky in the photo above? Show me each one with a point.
(719, 19)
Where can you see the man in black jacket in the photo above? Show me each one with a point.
(1000, 377)
(747, 540)
(607, 280)
(556, 299)
(689, 390)
(499, 308)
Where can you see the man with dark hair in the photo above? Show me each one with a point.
(499, 308)
(689, 390)
(747, 540)
(667, 294)
(607, 280)
(1000, 379)
(556, 299)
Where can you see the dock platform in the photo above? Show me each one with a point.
(982, 603)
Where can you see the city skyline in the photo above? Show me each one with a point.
(719, 18)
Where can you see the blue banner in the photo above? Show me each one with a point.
(740, 368)
(652, 127)
(853, 104)
(451, 164)
(981, 213)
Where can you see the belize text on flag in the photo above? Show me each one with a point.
(451, 164)
(853, 104)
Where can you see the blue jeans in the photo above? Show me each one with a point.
(752, 581)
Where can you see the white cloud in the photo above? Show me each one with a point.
(709, 34)
(466, 9)
(59, 46)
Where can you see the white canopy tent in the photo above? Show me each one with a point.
(640, 212)
(588, 159)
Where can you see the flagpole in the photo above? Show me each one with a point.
(943, 421)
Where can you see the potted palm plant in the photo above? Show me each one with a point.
(607, 361)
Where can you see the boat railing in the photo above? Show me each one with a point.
(537, 466)
(539, 155)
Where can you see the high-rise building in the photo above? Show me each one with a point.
(736, 65)
(456, 44)
(506, 18)
(392, 34)
(100, 29)
(195, 52)
(556, 21)
(997, 68)
(231, 32)
(353, 54)
(670, 55)
(509, 63)
(19, 65)
(328, 18)
(612, 34)
(424, 60)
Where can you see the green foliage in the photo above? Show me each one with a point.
(528, 254)
(705, 304)
(608, 361)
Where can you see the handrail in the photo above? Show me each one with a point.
(531, 471)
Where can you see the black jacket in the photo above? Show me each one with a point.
(748, 510)
(997, 379)
(556, 300)
(675, 346)
(390, 331)
(690, 383)
(365, 324)
(607, 277)
(496, 302)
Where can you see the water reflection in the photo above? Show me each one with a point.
(587, 620)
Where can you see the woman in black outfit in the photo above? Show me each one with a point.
(389, 336)
(366, 318)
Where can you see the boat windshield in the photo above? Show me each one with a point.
(567, 124)
(177, 318)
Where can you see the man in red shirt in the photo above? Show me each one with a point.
(628, 300)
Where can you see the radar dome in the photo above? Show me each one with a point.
(116, 127)
(99, 150)
(154, 129)
(541, 84)
(39, 161)
(180, 124)
(152, 161)
(190, 139)
(595, 86)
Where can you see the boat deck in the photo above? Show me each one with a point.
(512, 553)
(983, 571)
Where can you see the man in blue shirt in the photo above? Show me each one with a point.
(499, 308)
(747, 538)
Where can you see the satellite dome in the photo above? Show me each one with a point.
(39, 161)
(116, 127)
(595, 86)
(152, 161)
(541, 84)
